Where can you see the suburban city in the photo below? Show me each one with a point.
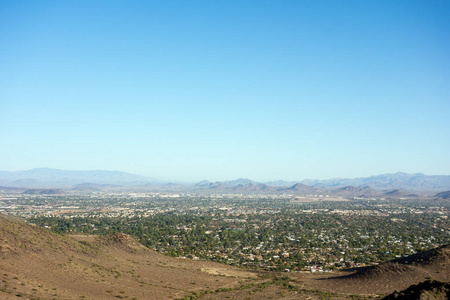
(263, 232)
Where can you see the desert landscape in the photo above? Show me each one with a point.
(38, 264)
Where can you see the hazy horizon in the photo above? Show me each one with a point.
(223, 90)
(191, 181)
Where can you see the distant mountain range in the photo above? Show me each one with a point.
(46, 177)
(46, 181)
(400, 180)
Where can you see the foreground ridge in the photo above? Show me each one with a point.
(429, 289)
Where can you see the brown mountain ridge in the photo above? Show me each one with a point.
(397, 274)
(37, 264)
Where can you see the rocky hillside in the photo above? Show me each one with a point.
(429, 289)
(397, 274)
(37, 264)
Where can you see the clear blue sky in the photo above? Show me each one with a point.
(191, 90)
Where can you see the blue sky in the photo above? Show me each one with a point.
(191, 90)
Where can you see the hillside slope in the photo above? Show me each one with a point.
(430, 289)
(36, 263)
(394, 275)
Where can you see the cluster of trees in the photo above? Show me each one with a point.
(262, 239)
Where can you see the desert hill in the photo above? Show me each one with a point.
(352, 191)
(429, 289)
(44, 192)
(443, 195)
(400, 194)
(394, 275)
(37, 264)
(300, 188)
